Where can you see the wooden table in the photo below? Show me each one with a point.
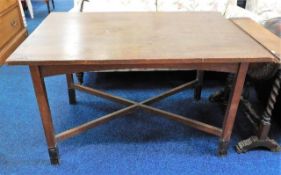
(137, 41)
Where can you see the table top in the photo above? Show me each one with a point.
(269, 40)
(138, 38)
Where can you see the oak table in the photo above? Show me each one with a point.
(137, 41)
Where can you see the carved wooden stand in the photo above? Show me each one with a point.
(262, 124)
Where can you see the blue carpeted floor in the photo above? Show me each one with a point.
(139, 143)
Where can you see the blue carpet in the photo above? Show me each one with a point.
(138, 143)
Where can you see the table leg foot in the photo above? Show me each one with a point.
(223, 146)
(54, 155)
(254, 142)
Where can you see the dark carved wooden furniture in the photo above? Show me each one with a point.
(12, 30)
(262, 123)
(138, 41)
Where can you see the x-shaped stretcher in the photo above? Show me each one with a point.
(132, 105)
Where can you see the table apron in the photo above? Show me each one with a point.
(52, 70)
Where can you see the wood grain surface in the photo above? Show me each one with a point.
(262, 35)
(138, 38)
(12, 30)
(5, 4)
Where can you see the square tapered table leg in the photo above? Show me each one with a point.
(46, 117)
(232, 107)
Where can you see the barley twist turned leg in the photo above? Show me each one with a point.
(266, 118)
(262, 139)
